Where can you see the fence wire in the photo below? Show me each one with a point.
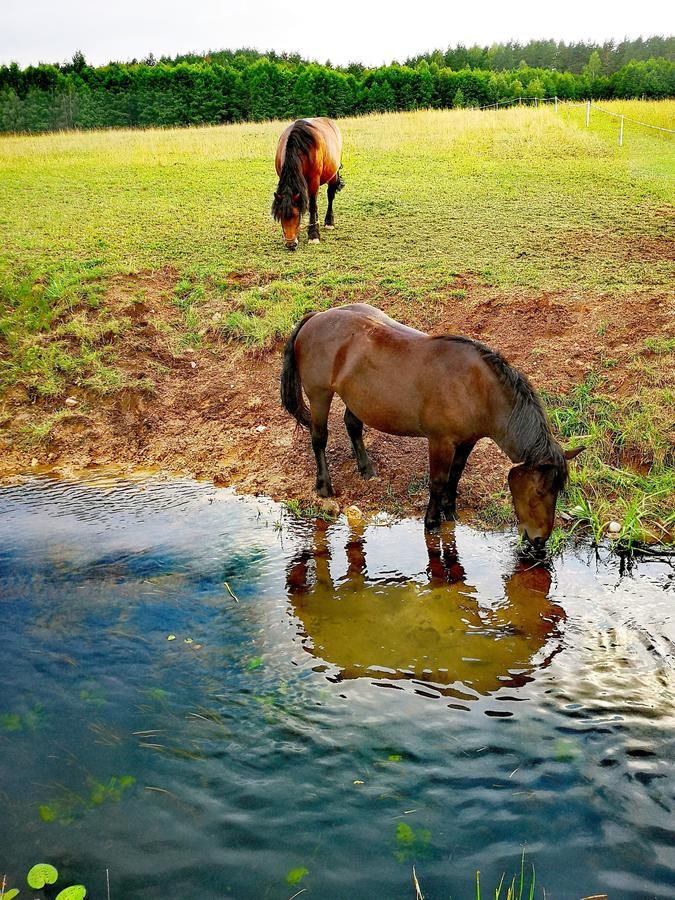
(587, 103)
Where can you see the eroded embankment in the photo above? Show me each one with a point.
(214, 411)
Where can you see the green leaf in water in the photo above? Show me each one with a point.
(565, 750)
(100, 791)
(404, 834)
(395, 757)
(295, 876)
(412, 843)
(40, 875)
(11, 722)
(94, 695)
(157, 693)
(8, 895)
(254, 663)
(47, 813)
(74, 892)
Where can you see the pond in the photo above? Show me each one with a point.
(209, 698)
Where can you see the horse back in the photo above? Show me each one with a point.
(394, 378)
(326, 152)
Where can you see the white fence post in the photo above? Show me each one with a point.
(621, 133)
(588, 113)
(555, 103)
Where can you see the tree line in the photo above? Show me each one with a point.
(244, 85)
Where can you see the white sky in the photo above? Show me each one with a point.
(369, 31)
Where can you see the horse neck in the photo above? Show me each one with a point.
(519, 427)
(501, 433)
(292, 175)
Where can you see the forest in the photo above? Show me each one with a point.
(246, 85)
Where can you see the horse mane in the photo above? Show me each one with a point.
(528, 426)
(291, 180)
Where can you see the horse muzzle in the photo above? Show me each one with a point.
(292, 245)
(536, 546)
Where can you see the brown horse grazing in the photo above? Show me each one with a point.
(452, 390)
(308, 155)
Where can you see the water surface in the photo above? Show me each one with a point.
(371, 701)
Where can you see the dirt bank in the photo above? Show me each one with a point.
(215, 412)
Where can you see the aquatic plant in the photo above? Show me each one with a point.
(31, 720)
(295, 876)
(40, 876)
(412, 843)
(71, 805)
(520, 887)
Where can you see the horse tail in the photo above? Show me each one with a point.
(292, 399)
(340, 183)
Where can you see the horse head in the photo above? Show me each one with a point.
(287, 208)
(535, 489)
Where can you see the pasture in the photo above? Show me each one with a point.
(142, 277)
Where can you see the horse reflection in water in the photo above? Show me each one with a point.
(438, 634)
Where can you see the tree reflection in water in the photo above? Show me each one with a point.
(441, 634)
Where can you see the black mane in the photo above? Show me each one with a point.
(292, 181)
(528, 426)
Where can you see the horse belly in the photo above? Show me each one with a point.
(381, 402)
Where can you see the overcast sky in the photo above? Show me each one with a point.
(369, 31)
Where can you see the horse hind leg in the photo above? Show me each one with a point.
(354, 427)
(313, 228)
(332, 190)
(320, 407)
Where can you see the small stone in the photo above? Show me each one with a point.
(33, 462)
(71, 401)
(261, 428)
(193, 365)
(329, 506)
(614, 528)
(353, 515)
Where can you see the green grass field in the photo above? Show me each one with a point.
(521, 200)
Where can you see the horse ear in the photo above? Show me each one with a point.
(571, 454)
(277, 196)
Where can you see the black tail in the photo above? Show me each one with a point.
(291, 386)
(340, 180)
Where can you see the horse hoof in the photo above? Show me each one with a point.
(313, 241)
(329, 227)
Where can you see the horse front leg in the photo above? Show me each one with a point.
(441, 455)
(313, 230)
(320, 407)
(449, 503)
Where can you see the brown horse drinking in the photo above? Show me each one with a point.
(308, 155)
(451, 390)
